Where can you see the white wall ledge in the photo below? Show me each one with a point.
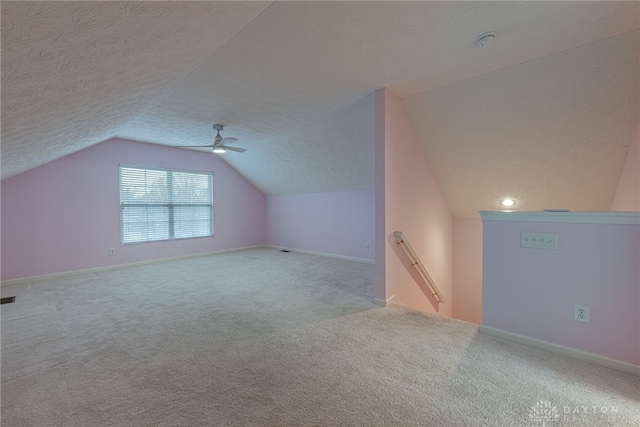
(632, 218)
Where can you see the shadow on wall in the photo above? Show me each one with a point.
(415, 274)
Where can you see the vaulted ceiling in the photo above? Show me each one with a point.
(544, 114)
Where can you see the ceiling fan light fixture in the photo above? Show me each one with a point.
(219, 150)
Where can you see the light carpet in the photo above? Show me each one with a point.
(265, 338)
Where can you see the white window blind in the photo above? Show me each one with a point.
(162, 204)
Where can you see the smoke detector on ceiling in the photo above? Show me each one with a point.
(485, 39)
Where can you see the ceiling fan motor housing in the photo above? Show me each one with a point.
(218, 128)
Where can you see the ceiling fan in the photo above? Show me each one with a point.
(220, 144)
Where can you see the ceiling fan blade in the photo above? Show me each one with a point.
(192, 146)
(228, 140)
(236, 149)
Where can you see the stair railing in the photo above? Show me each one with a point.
(401, 240)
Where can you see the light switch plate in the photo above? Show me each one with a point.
(539, 240)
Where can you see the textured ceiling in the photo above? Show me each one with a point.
(74, 73)
(552, 133)
(294, 81)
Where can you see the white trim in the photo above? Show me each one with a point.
(380, 302)
(393, 300)
(344, 257)
(164, 169)
(585, 356)
(116, 266)
(632, 218)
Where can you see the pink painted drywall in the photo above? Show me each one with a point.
(380, 203)
(467, 269)
(64, 215)
(627, 197)
(338, 223)
(413, 204)
(531, 292)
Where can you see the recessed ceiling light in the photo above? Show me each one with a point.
(507, 202)
(485, 39)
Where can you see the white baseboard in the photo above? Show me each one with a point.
(325, 254)
(389, 302)
(574, 353)
(394, 301)
(380, 302)
(113, 267)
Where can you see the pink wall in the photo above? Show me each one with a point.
(627, 197)
(467, 269)
(64, 215)
(531, 292)
(380, 202)
(414, 204)
(333, 223)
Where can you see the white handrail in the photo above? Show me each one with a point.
(401, 240)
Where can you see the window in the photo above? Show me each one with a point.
(161, 204)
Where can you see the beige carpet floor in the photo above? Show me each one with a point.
(265, 338)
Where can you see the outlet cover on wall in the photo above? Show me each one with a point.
(581, 313)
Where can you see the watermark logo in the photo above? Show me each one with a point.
(543, 413)
(585, 414)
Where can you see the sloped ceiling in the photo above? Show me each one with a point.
(544, 114)
(74, 73)
(552, 133)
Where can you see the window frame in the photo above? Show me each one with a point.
(170, 205)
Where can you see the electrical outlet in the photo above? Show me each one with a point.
(112, 251)
(581, 313)
(366, 246)
(539, 240)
